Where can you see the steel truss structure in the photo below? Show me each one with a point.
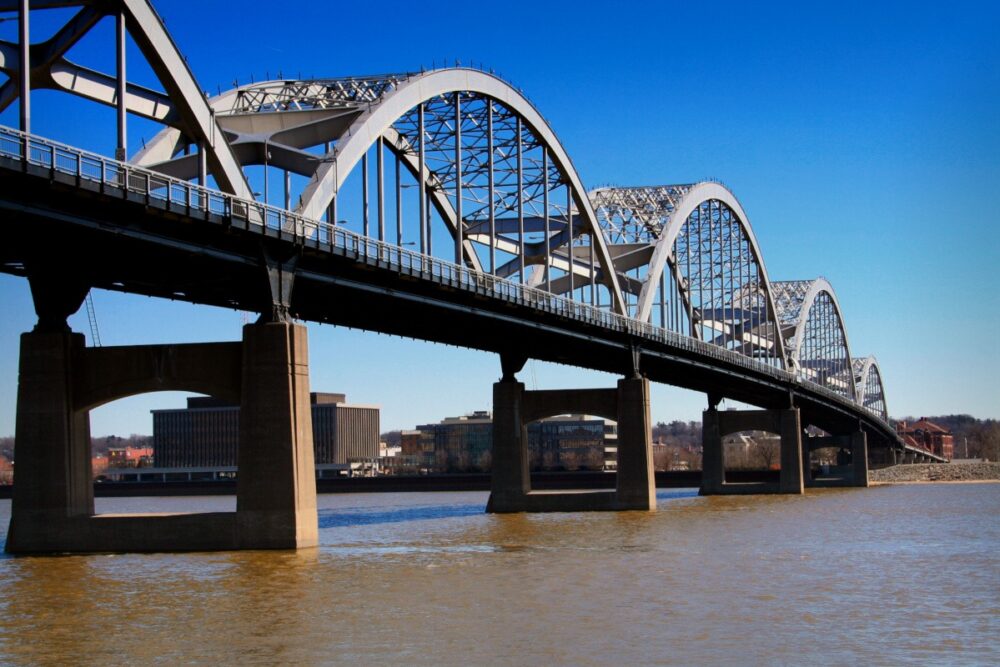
(457, 163)
(689, 259)
(871, 394)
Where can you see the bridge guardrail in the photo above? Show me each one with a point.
(266, 219)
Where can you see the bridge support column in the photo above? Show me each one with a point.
(713, 471)
(276, 484)
(61, 380)
(716, 425)
(859, 458)
(514, 408)
(636, 487)
(853, 472)
(790, 479)
(53, 475)
(510, 480)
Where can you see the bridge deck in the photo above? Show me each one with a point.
(119, 227)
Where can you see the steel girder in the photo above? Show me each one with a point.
(692, 245)
(815, 335)
(871, 392)
(182, 105)
(482, 153)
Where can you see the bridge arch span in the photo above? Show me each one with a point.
(871, 391)
(534, 214)
(815, 336)
(725, 290)
(378, 121)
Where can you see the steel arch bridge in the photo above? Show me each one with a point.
(454, 164)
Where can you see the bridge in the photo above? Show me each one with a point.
(437, 205)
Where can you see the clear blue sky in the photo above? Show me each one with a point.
(863, 140)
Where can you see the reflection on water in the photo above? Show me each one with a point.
(889, 575)
(364, 516)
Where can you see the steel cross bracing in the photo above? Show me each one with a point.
(68, 165)
(292, 95)
(689, 262)
(481, 155)
(871, 395)
(815, 335)
(636, 214)
(454, 163)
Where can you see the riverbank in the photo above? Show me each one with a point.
(936, 472)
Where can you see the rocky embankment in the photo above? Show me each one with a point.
(936, 472)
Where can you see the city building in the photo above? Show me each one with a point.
(206, 433)
(459, 444)
(464, 444)
(573, 442)
(6, 471)
(417, 449)
(927, 435)
(129, 457)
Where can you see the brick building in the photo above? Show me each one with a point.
(927, 435)
(129, 457)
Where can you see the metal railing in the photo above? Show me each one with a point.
(257, 217)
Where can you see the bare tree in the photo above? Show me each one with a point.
(766, 451)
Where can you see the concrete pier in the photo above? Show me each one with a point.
(276, 481)
(716, 425)
(853, 474)
(514, 408)
(53, 480)
(60, 381)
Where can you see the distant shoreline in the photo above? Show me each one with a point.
(936, 481)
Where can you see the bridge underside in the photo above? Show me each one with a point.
(113, 239)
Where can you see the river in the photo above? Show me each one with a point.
(889, 575)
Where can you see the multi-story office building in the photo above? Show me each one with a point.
(207, 432)
(572, 442)
(417, 446)
(464, 444)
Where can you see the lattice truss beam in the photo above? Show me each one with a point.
(688, 261)
(402, 157)
(871, 393)
(816, 338)
(180, 104)
(461, 165)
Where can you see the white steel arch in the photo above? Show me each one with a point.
(870, 386)
(278, 121)
(666, 210)
(793, 311)
(796, 300)
(376, 120)
(694, 197)
(183, 105)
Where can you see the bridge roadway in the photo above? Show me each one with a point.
(95, 222)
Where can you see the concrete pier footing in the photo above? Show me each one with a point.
(60, 381)
(716, 425)
(514, 408)
(855, 473)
